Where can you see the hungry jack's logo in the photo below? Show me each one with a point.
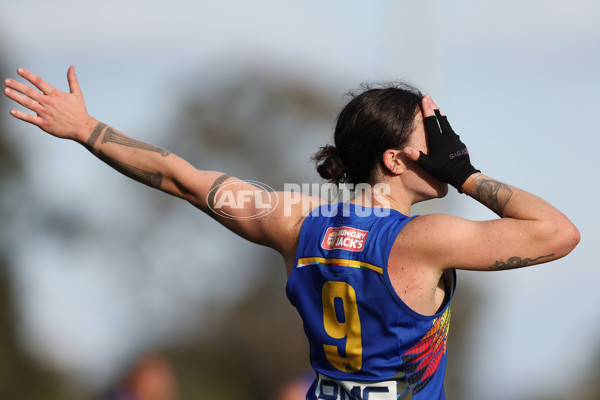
(344, 238)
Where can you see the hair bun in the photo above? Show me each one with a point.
(329, 164)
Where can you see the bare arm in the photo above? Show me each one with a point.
(530, 230)
(64, 115)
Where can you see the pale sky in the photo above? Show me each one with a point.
(518, 80)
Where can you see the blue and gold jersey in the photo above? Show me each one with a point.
(365, 343)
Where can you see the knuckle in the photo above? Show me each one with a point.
(30, 92)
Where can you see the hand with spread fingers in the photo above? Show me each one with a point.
(448, 157)
(61, 114)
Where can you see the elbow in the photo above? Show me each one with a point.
(566, 237)
(572, 238)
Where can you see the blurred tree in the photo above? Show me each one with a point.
(250, 352)
(256, 124)
(22, 376)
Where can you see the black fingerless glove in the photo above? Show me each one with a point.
(448, 159)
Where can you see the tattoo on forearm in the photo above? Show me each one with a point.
(94, 136)
(492, 194)
(214, 188)
(113, 136)
(153, 179)
(516, 262)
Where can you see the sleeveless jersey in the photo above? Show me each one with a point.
(365, 342)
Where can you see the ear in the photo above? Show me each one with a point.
(392, 160)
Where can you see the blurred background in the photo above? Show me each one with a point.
(99, 274)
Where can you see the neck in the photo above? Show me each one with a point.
(386, 196)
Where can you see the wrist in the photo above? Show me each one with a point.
(469, 183)
(465, 172)
(85, 130)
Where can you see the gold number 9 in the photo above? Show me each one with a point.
(349, 328)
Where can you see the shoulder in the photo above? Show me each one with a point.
(422, 230)
(433, 226)
(285, 222)
(432, 240)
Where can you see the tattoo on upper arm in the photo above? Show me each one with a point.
(113, 136)
(515, 262)
(94, 136)
(153, 179)
(492, 194)
(214, 188)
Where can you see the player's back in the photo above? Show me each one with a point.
(365, 343)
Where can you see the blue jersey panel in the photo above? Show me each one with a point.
(363, 338)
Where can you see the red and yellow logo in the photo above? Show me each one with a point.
(344, 238)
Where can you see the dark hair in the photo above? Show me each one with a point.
(373, 121)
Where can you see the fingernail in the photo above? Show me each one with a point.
(7, 81)
(20, 70)
(7, 91)
(13, 112)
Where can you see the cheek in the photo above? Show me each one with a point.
(418, 140)
(420, 144)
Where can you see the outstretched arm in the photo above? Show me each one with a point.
(64, 115)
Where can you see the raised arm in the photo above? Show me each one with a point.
(64, 115)
(530, 230)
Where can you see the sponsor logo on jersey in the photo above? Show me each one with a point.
(344, 238)
(327, 388)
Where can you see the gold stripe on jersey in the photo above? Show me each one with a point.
(303, 262)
